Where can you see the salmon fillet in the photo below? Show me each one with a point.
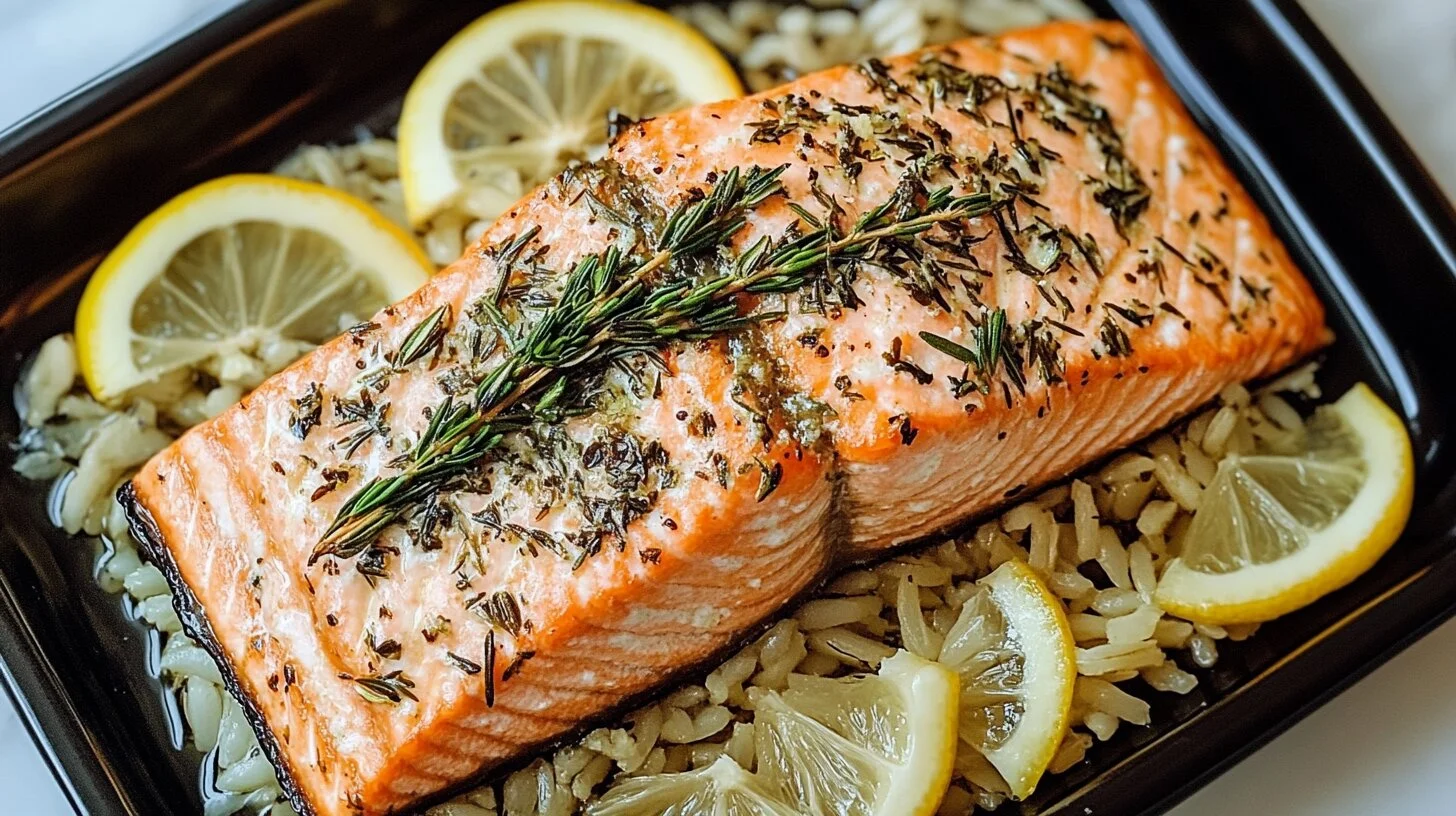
(1123, 279)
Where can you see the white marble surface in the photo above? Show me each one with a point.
(1388, 745)
(48, 47)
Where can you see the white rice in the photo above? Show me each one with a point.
(856, 622)
(91, 450)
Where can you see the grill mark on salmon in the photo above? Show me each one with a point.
(837, 433)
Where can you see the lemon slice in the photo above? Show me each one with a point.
(720, 789)
(876, 745)
(1013, 649)
(527, 88)
(240, 268)
(1275, 532)
(880, 744)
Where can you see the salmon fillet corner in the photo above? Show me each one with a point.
(1124, 279)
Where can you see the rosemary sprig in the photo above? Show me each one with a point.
(607, 311)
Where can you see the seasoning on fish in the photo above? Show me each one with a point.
(669, 390)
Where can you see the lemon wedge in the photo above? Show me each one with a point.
(881, 744)
(1274, 532)
(720, 789)
(519, 93)
(240, 269)
(1013, 651)
(864, 745)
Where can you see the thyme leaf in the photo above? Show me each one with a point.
(424, 338)
(383, 688)
(949, 347)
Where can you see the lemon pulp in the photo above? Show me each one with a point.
(1013, 651)
(524, 90)
(238, 275)
(1276, 530)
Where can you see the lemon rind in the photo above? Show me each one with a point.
(932, 701)
(1032, 612)
(379, 247)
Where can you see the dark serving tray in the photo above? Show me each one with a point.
(1345, 193)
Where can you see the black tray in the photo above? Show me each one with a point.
(1344, 191)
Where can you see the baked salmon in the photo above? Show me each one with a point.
(1112, 277)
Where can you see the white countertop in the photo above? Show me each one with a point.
(1388, 745)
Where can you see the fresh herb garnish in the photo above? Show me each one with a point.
(500, 608)
(1114, 338)
(425, 338)
(388, 649)
(769, 477)
(1121, 190)
(371, 418)
(608, 311)
(490, 669)
(950, 347)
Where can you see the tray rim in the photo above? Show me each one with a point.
(32, 139)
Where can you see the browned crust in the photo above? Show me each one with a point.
(153, 546)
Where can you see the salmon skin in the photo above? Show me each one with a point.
(1122, 279)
